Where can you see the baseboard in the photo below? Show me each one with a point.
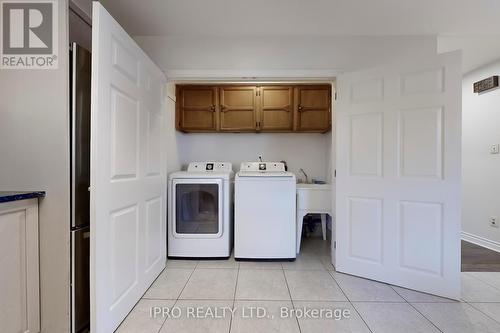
(481, 241)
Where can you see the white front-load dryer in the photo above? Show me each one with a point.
(200, 211)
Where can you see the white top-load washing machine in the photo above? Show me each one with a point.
(200, 211)
(265, 208)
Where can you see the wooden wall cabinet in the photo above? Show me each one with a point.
(253, 108)
(197, 108)
(276, 109)
(238, 108)
(313, 105)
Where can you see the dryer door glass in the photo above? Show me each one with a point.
(197, 209)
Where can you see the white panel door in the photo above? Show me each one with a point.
(128, 189)
(398, 174)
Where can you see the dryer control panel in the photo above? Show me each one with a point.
(210, 167)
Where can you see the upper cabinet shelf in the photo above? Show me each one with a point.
(253, 108)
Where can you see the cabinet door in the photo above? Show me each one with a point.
(313, 108)
(276, 104)
(19, 273)
(197, 109)
(238, 108)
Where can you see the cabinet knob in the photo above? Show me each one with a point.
(300, 107)
(212, 108)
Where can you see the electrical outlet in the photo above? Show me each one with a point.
(493, 221)
(494, 149)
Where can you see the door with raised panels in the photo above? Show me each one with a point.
(238, 108)
(128, 188)
(398, 174)
(276, 108)
(313, 108)
(198, 108)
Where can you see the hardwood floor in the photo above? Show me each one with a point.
(479, 259)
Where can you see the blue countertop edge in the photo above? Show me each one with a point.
(7, 196)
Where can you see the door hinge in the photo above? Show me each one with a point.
(335, 173)
(335, 95)
(334, 244)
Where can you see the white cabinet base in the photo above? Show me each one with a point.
(19, 275)
(313, 199)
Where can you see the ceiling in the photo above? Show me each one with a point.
(472, 26)
(306, 17)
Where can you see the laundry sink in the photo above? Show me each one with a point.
(314, 196)
(313, 199)
(309, 186)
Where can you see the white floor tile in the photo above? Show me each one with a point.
(246, 321)
(260, 265)
(457, 318)
(310, 285)
(169, 284)
(255, 284)
(206, 283)
(338, 324)
(200, 317)
(475, 290)
(363, 290)
(140, 318)
(418, 297)
(180, 263)
(304, 262)
(490, 309)
(491, 278)
(221, 263)
(393, 318)
(327, 263)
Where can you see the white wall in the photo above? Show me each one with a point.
(255, 55)
(481, 170)
(301, 150)
(476, 50)
(172, 136)
(34, 155)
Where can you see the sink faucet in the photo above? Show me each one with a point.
(305, 174)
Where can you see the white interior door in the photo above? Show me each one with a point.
(128, 190)
(398, 174)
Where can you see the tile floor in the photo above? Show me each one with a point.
(251, 297)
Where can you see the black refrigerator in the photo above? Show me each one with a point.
(80, 75)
